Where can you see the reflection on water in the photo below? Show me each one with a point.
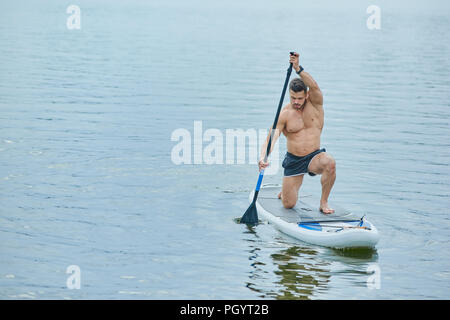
(302, 271)
(357, 253)
(299, 278)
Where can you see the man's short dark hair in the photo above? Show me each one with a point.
(297, 85)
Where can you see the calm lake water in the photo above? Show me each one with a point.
(87, 176)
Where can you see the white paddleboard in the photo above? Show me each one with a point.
(305, 222)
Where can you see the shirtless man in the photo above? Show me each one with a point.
(301, 121)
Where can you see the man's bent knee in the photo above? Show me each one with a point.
(330, 165)
(289, 204)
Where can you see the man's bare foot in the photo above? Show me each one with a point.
(326, 209)
(279, 195)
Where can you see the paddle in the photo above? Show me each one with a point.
(251, 215)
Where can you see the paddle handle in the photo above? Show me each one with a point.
(258, 185)
(251, 215)
(260, 178)
(280, 104)
(274, 126)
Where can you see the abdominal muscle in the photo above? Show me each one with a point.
(304, 141)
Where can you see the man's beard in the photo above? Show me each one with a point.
(299, 107)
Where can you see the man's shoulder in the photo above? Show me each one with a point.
(284, 112)
(286, 109)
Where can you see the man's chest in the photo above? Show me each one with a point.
(299, 120)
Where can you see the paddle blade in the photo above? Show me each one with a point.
(251, 215)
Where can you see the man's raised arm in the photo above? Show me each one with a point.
(315, 95)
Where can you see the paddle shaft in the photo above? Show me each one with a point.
(275, 122)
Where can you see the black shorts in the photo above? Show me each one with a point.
(295, 166)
